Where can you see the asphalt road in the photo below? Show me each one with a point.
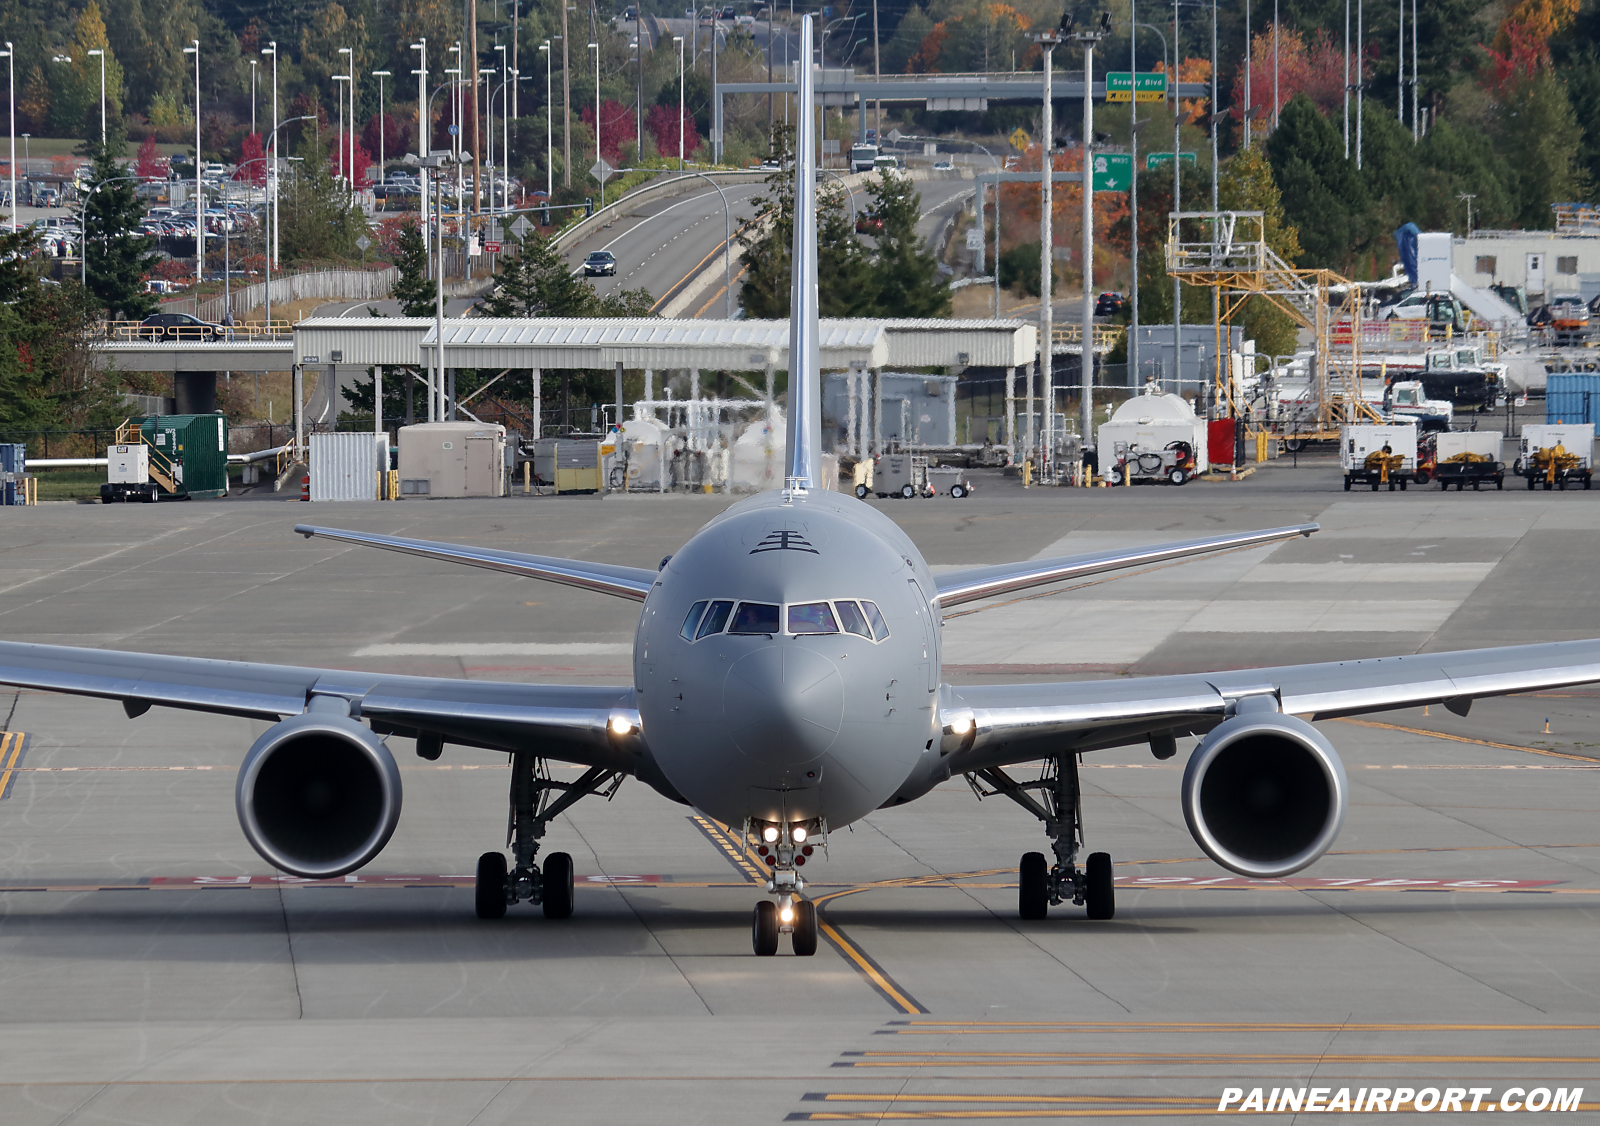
(150, 974)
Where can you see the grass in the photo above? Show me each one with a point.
(69, 484)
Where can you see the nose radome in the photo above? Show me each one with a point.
(784, 704)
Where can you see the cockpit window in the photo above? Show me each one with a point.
(854, 620)
(755, 617)
(716, 618)
(812, 617)
(692, 620)
(880, 628)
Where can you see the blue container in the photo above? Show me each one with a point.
(13, 464)
(1572, 397)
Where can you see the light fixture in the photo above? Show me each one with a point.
(770, 834)
(787, 914)
(960, 725)
(799, 835)
(621, 725)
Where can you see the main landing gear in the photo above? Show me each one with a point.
(1041, 886)
(783, 848)
(532, 810)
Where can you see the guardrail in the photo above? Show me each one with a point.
(136, 332)
(668, 183)
(1105, 336)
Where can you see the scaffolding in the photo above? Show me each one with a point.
(1227, 251)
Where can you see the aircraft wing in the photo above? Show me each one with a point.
(1019, 722)
(973, 583)
(605, 578)
(566, 722)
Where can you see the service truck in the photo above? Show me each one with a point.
(1378, 455)
(1556, 454)
(1460, 458)
(863, 158)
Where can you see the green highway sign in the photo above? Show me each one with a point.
(1157, 159)
(1113, 172)
(1129, 86)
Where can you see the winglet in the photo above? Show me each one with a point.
(804, 439)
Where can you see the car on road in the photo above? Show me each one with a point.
(1109, 304)
(602, 263)
(744, 21)
(170, 327)
(726, 13)
(943, 166)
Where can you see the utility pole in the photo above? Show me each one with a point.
(1086, 363)
(477, 140)
(566, 101)
(1134, 125)
(1347, 79)
(1048, 41)
(1177, 177)
(877, 105)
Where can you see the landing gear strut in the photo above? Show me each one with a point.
(783, 848)
(1060, 806)
(532, 810)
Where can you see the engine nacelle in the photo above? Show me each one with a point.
(318, 795)
(1264, 794)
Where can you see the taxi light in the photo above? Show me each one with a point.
(961, 725)
(787, 914)
(621, 725)
(769, 834)
(799, 835)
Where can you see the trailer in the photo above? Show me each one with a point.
(1462, 457)
(1556, 454)
(1378, 455)
(1153, 437)
(901, 475)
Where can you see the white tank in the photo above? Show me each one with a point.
(1150, 421)
(757, 459)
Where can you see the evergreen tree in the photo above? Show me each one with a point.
(1246, 184)
(1323, 196)
(413, 288)
(767, 241)
(320, 217)
(905, 275)
(119, 257)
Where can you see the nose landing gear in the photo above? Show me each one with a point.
(1041, 886)
(783, 848)
(532, 810)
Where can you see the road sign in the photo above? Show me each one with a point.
(1113, 172)
(521, 226)
(1130, 86)
(491, 248)
(830, 147)
(895, 135)
(602, 171)
(1158, 159)
(454, 129)
(1020, 140)
(363, 242)
(974, 238)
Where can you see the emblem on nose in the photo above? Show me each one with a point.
(784, 704)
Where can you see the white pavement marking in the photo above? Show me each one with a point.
(496, 649)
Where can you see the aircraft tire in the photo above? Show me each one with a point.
(1033, 887)
(804, 938)
(557, 886)
(1100, 889)
(489, 891)
(764, 929)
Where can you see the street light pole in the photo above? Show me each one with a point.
(1048, 40)
(549, 126)
(272, 173)
(1086, 357)
(11, 71)
(347, 175)
(597, 157)
(380, 75)
(102, 54)
(254, 69)
(678, 39)
(199, 190)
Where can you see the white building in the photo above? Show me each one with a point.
(1545, 263)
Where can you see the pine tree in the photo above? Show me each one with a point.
(413, 288)
(119, 257)
(906, 279)
(767, 241)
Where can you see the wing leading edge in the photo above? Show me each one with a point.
(1019, 722)
(956, 587)
(604, 578)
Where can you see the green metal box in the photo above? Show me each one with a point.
(188, 453)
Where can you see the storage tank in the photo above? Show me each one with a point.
(1151, 421)
(758, 456)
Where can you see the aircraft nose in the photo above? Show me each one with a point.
(784, 704)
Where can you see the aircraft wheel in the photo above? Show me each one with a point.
(1100, 889)
(804, 938)
(1177, 476)
(1500, 483)
(1586, 482)
(907, 492)
(957, 491)
(861, 492)
(558, 886)
(764, 929)
(1374, 486)
(1033, 887)
(489, 892)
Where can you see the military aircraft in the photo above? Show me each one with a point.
(787, 683)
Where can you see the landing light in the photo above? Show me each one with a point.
(787, 914)
(621, 725)
(769, 834)
(799, 834)
(961, 725)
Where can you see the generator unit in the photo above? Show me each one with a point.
(1378, 455)
(1554, 455)
(168, 457)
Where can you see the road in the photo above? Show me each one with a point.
(152, 973)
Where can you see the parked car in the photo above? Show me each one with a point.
(602, 263)
(169, 327)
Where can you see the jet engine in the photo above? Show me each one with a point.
(1264, 794)
(318, 795)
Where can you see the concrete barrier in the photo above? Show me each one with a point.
(665, 186)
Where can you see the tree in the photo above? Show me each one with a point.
(1323, 197)
(905, 273)
(320, 218)
(617, 128)
(119, 257)
(151, 165)
(413, 288)
(252, 167)
(539, 283)
(75, 93)
(664, 127)
(1246, 184)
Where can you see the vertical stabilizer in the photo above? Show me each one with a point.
(804, 449)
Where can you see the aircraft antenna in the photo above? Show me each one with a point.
(804, 440)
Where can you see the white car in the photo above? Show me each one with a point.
(943, 166)
(744, 21)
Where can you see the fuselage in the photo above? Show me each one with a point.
(787, 662)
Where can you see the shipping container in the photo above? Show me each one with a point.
(571, 465)
(345, 466)
(452, 459)
(188, 453)
(1572, 397)
(13, 467)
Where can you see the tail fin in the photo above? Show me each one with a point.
(804, 448)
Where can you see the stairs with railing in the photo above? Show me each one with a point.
(162, 470)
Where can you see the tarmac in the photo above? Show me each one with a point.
(153, 971)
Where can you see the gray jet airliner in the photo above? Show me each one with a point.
(787, 682)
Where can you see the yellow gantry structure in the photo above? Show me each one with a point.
(1227, 251)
